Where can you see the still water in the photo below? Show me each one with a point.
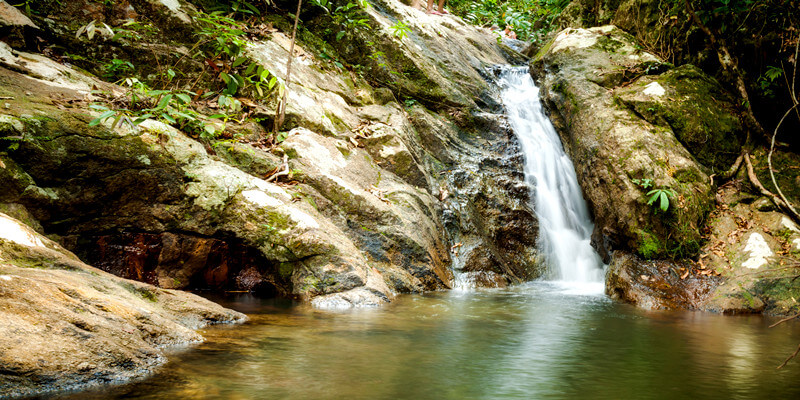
(528, 342)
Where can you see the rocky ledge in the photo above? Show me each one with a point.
(67, 324)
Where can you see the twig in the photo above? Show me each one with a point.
(771, 270)
(784, 320)
(790, 357)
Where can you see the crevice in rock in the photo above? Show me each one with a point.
(177, 260)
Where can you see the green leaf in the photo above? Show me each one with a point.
(654, 194)
(107, 114)
(233, 87)
(664, 201)
(239, 79)
(169, 118)
(281, 137)
(239, 61)
(164, 102)
(184, 98)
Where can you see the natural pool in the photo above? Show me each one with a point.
(528, 342)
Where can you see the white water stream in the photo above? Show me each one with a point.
(565, 227)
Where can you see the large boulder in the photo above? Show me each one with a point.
(67, 324)
(658, 284)
(623, 114)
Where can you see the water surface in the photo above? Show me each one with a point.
(529, 342)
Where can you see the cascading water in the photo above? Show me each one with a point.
(565, 227)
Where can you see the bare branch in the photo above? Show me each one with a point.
(775, 199)
(790, 357)
(281, 111)
(784, 320)
(769, 162)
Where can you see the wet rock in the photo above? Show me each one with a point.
(657, 284)
(619, 154)
(67, 324)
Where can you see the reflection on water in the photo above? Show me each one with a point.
(528, 342)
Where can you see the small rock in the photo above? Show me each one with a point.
(764, 204)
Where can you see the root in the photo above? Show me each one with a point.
(279, 171)
(784, 206)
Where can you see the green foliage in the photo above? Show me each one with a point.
(25, 5)
(116, 68)
(349, 17)
(527, 17)
(659, 198)
(400, 29)
(767, 81)
(240, 7)
(645, 183)
(170, 106)
(223, 49)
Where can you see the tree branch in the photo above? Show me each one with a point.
(281, 111)
(775, 199)
(790, 357)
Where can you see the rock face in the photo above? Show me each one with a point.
(67, 324)
(623, 115)
(376, 197)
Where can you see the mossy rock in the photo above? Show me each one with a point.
(695, 107)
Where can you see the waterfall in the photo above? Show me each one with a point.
(565, 227)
